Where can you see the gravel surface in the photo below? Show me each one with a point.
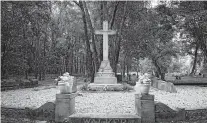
(188, 97)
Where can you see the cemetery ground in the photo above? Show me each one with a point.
(14, 102)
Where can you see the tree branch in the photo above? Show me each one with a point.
(76, 3)
(114, 14)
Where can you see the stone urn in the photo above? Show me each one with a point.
(67, 84)
(62, 87)
(144, 88)
(145, 85)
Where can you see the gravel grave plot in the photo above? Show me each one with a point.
(188, 97)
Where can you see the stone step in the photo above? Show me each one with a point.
(104, 118)
(104, 87)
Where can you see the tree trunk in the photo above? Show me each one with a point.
(114, 14)
(76, 64)
(26, 74)
(89, 54)
(124, 69)
(127, 68)
(40, 75)
(157, 74)
(161, 75)
(44, 57)
(118, 40)
(101, 23)
(195, 60)
(95, 54)
(71, 68)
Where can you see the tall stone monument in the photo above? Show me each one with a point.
(105, 74)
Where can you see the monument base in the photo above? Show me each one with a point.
(105, 87)
(105, 78)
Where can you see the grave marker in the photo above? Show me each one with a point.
(105, 74)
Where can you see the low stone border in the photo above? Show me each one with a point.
(161, 115)
(163, 85)
(164, 113)
(195, 115)
(44, 113)
(105, 87)
(12, 84)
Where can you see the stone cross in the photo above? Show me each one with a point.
(105, 32)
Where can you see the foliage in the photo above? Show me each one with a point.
(145, 65)
(191, 17)
(151, 36)
(40, 37)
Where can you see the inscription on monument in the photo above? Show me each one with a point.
(97, 120)
(105, 74)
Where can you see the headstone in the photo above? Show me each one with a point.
(105, 74)
(163, 85)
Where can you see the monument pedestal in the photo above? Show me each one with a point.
(145, 107)
(65, 106)
(105, 78)
(105, 74)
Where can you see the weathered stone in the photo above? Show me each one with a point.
(65, 106)
(104, 118)
(145, 108)
(34, 82)
(25, 83)
(105, 79)
(105, 74)
(163, 113)
(144, 96)
(162, 85)
(67, 84)
(7, 84)
(105, 87)
(196, 115)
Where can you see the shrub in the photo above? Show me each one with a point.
(128, 87)
(84, 87)
(118, 88)
(132, 83)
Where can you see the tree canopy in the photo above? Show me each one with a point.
(45, 37)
